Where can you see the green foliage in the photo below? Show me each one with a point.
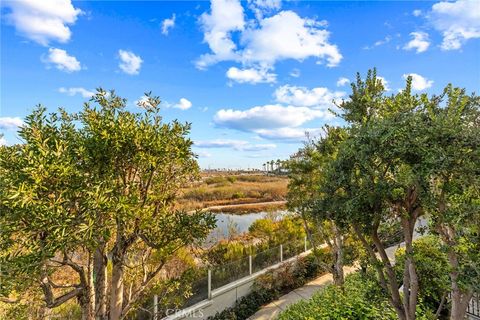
(102, 179)
(360, 298)
(278, 231)
(272, 285)
(432, 268)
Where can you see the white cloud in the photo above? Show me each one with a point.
(251, 75)
(183, 104)
(264, 7)
(10, 123)
(62, 60)
(266, 117)
(130, 63)
(321, 98)
(458, 22)
(43, 21)
(378, 43)
(417, 12)
(77, 90)
(288, 134)
(203, 154)
(385, 83)
(3, 142)
(288, 36)
(342, 81)
(265, 41)
(418, 82)
(226, 16)
(240, 145)
(168, 24)
(420, 42)
(295, 73)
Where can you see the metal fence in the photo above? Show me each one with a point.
(222, 275)
(473, 309)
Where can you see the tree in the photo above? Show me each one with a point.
(93, 192)
(379, 173)
(309, 193)
(454, 189)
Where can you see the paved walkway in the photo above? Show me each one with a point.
(273, 309)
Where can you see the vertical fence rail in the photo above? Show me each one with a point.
(209, 286)
(473, 308)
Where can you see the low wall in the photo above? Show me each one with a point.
(226, 296)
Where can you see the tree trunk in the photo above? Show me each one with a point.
(100, 282)
(393, 287)
(338, 276)
(410, 277)
(460, 298)
(116, 293)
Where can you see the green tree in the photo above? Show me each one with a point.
(93, 192)
(378, 172)
(454, 188)
(310, 194)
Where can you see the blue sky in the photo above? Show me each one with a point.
(251, 76)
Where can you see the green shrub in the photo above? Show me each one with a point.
(432, 269)
(271, 286)
(358, 300)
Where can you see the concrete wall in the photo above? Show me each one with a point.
(226, 296)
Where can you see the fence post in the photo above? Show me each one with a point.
(250, 264)
(209, 284)
(305, 239)
(155, 307)
(281, 253)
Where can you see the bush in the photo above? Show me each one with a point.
(432, 269)
(271, 286)
(357, 300)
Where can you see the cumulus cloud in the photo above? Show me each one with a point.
(265, 41)
(264, 7)
(288, 36)
(240, 145)
(130, 63)
(168, 24)
(458, 22)
(42, 21)
(77, 90)
(266, 117)
(420, 42)
(183, 104)
(251, 75)
(225, 17)
(417, 12)
(10, 123)
(418, 82)
(342, 81)
(320, 97)
(62, 60)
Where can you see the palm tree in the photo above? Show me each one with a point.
(278, 162)
(264, 166)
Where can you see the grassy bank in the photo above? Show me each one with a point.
(219, 191)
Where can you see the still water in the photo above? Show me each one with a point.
(228, 223)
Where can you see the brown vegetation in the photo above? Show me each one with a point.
(225, 190)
